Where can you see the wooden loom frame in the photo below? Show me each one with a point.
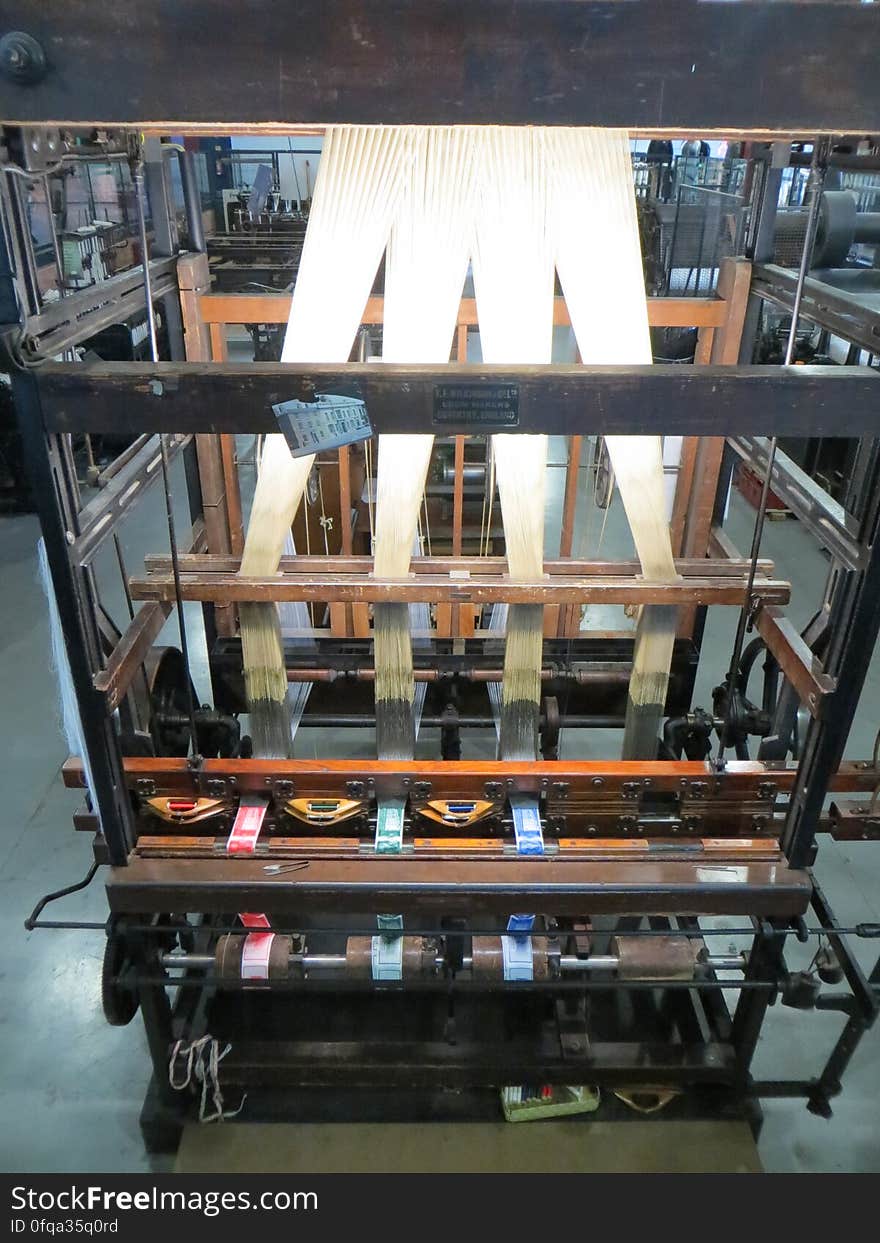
(719, 322)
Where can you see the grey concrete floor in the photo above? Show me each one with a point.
(72, 1086)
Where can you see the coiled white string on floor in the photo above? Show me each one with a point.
(198, 1062)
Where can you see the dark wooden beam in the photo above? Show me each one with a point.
(439, 588)
(799, 664)
(385, 883)
(714, 850)
(689, 567)
(740, 779)
(675, 65)
(130, 652)
(131, 398)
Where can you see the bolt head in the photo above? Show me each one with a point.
(22, 58)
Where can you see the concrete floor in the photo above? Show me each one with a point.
(72, 1087)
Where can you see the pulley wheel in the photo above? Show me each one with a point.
(170, 690)
(119, 998)
(604, 478)
(836, 230)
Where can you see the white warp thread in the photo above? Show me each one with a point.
(425, 268)
(71, 721)
(360, 176)
(599, 261)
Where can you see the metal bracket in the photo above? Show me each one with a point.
(32, 148)
(571, 1020)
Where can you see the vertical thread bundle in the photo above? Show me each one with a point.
(425, 267)
(356, 194)
(598, 258)
(513, 282)
(526, 200)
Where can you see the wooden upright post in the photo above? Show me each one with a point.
(700, 467)
(194, 280)
(734, 279)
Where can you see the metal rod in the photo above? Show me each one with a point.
(869, 931)
(145, 258)
(56, 249)
(21, 226)
(338, 962)
(123, 574)
(163, 446)
(192, 201)
(32, 920)
(610, 962)
(583, 677)
(367, 721)
(122, 459)
(818, 166)
(440, 984)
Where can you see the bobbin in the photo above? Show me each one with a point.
(419, 958)
(655, 958)
(229, 949)
(488, 959)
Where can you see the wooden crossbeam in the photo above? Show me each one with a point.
(437, 588)
(245, 308)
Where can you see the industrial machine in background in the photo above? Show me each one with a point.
(553, 921)
(258, 259)
(842, 292)
(264, 217)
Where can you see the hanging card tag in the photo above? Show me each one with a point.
(516, 956)
(389, 827)
(387, 948)
(251, 920)
(526, 825)
(325, 423)
(247, 825)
